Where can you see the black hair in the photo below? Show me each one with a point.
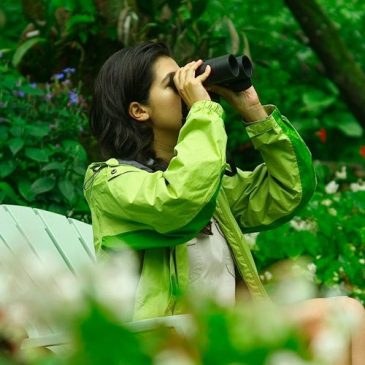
(126, 76)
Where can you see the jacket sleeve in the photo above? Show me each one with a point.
(274, 192)
(172, 205)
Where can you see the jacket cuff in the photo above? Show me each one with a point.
(264, 125)
(207, 105)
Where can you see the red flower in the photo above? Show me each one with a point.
(362, 151)
(322, 135)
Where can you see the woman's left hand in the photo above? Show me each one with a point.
(246, 102)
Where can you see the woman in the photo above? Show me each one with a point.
(165, 189)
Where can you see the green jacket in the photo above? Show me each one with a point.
(159, 212)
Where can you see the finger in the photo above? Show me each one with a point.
(188, 71)
(178, 79)
(205, 74)
(198, 64)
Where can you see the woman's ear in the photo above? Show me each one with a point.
(138, 112)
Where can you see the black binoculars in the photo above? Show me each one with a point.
(228, 71)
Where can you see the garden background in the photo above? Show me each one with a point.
(309, 60)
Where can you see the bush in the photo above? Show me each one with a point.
(42, 162)
(330, 232)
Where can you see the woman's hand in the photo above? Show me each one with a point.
(189, 87)
(246, 102)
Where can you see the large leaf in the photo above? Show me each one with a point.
(6, 191)
(37, 154)
(37, 130)
(15, 145)
(42, 185)
(75, 149)
(198, 8)
(55, 165)
(24, 48)
(25, 190)
(6, 168)
(348, 125)
(68, 190)
(315, 101)
(77, 20)
(174, 4)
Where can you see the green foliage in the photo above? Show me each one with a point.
(330, 232)
(42, 161)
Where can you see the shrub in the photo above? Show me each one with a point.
(42, 162)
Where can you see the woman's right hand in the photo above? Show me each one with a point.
(189, 87)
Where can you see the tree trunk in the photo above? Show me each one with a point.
(337, 59)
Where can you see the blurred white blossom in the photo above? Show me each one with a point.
(251, 238)
(286, 358)
(35, 291)
(331, 187)
(332, 211)
(303, 225)
(359, 186)
(326, 202)
(342, 174)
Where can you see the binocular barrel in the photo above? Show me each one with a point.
(228, 71)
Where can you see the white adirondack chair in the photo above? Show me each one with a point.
(42, 234)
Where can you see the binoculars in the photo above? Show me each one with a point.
(228, 71)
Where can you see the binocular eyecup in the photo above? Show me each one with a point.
(228, 71)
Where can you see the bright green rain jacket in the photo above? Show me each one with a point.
(158, 212)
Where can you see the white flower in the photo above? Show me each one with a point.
(251, 238)
(362, 261)
(326, 202)
(342, 175)
(267, 275)
(312, 267)
(332, 211)
(360, 186)
(303, 225)
(285, 358)
(331, 187)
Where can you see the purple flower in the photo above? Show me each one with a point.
(20, 93)
(59, 76)
(69, 70)
(73, 98)
(33, 85)
(49, 96)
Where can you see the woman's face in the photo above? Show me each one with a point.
(164, 103)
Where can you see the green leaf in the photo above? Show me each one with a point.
(17, 131)
(67, 189)
(25, 190)
(24, 48)
(87, 6)
(74, 149)
(42, 185)
(198, 8)
(6, 168)
(37, 154)
(54, 166)
(315, 101)
(76, 20)
(174, 4)
(32, 90)
(15, 145)
(348, 125)
(38, 130)
(7, 191)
